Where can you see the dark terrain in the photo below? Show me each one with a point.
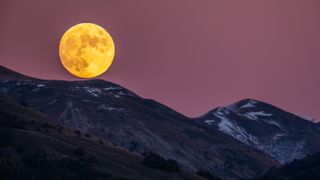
(116, 115)
(307, 168)
(34, 147)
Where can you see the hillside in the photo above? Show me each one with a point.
(305, 169)
(32, 146)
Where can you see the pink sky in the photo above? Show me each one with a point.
(192, 55)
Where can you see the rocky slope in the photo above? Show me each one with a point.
(34, 147)
(119, 116)
(276, 132)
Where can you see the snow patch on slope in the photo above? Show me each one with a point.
(272, 122)
(256, 115)
(233, 129)
(112, 88)
(209, 121)
(41, 85)
(110, 108)
(95, 92)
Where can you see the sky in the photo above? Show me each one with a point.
(191, 55)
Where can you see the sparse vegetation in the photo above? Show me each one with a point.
(156, 161)
(172, 166)
(78, 133)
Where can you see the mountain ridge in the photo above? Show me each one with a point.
(8, 74)
(119, 116)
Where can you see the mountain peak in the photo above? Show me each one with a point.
(244, 103)
(281, 134)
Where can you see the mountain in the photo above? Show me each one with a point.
(282, 135)
(117, 115)
(8, 74)
(306, 168)
(34, 147)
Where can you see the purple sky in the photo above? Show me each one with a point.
(192, 55)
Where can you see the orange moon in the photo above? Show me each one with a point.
(86, 50)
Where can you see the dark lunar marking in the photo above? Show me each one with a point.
(104, 41)
(93, 41)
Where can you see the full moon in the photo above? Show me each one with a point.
(86, 50)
